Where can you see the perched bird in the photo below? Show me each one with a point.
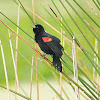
(49, 44)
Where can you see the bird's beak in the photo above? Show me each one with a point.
(33, 26)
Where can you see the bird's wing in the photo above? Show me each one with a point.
(56, 41)
(53, 38)
(53, 43)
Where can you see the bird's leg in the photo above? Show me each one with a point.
(44, 54)
(59, 66)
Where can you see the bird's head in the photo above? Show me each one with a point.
(38, 29)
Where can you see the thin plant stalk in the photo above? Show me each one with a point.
(96, 60)
(36, 64)
(61, 83)
(5, 69)
(93, 9)
(86, 13)
(31, 83)
(90, 26)
(75, 70)
(31, 78)
(98, 1)
(32, 60)
(21, 95)
(37, 73)
(74, 65)
(17, 25)
(14, 62)
(96, 4)
(62, 65)
(26, 11)
(17, 48)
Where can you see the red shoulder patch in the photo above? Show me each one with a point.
(46, 39)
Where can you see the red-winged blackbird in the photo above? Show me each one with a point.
(49, 44)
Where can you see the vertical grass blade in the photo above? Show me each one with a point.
(36, 58)
(5, 69)
(96, 60)
(14, 61)
(62, 64)
(31, 78)
(75, 70)
(17, 48)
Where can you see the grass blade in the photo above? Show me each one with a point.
(86, 13)
(17, 26)
(5, 69)
(26, 11)
(15, 68)
(15, 92)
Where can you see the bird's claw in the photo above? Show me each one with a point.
(58, 68)
(44, 55)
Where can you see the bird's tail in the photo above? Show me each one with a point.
(57, 63)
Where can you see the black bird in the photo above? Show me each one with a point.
(49, 44)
